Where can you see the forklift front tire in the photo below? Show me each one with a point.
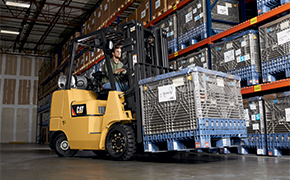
(121, 142)
(62, 148)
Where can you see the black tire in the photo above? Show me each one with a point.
(121, 142)
(62, 148)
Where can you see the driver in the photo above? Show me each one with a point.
(116, 68)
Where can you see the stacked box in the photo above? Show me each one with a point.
(91, 23)
(143, 12)
(121, 4)
(170, 25)
(86, 57)
(275, 51)
(195, 104)
(113, 8)
(199, 58)
(106, 11)
(171, 3)
(158, 8)
(84, 29)
(266, 5)
(99, 16)
(277, 110)
(238, 55)
(255, 122)
(192, 20)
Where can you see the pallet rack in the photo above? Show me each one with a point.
(206, 42)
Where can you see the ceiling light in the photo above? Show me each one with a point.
(9, 32)
(17, 4)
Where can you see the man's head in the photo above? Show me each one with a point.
(117, 52)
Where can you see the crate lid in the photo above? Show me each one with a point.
(188, 70)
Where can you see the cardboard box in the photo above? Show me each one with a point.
(24, 92)
(171, 3)
(158, 8)
(84, 31)
(9, 91)
(86, 58)
(106, 11)
(93, 55)
(143, 12)
(121, 4)
(11, 65)
(91, 23)
(113, 8)
(99, 53)
(99, 16)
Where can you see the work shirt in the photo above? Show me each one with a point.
(115, 66)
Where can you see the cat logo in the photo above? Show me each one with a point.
(79, 110)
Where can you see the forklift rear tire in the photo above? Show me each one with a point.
(121, 142)
(62, 148)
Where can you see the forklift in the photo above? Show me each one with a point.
(84, 116)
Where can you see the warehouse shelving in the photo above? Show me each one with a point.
(256, 20)
(266, 86)
(206, 42)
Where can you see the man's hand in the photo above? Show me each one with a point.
(119, 70)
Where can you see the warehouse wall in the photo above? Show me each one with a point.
(18, 97)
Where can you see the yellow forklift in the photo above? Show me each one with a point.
(86, 117)
(157, 110)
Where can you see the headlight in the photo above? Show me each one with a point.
(61, 82)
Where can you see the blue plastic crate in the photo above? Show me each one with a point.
(172, 46)
(279, 140)
(248, 74)
(194, 35)
(275, 67)
(216, 132)
(266, 5)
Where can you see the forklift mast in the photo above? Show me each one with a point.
(146, 56)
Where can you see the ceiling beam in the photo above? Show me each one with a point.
(69, 6)
(50, 26)
(23, 24)
(31, 24)
(29, 42)
(38, 20)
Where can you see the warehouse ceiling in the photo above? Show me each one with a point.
(42, 26)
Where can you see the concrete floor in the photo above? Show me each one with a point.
(33, 161)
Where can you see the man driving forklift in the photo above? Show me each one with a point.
(117, 68)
